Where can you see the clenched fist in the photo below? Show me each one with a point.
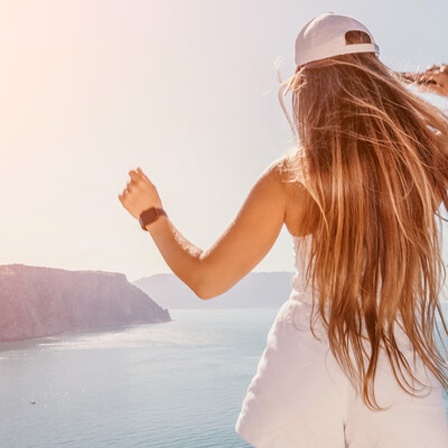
(140, 194)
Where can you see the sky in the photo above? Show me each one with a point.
(185, 89)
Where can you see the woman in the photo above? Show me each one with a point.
(351, 359)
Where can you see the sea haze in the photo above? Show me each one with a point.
(256, 290)
(170, 385)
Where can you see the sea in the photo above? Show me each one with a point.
(178, 384)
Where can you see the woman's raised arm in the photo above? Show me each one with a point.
(236, 252)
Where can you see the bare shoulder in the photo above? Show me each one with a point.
(285, 173)
(282, 172)
(272, 182)
(278, 182)
(300, 208)
(281, 182)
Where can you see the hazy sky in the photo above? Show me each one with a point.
(186, 89)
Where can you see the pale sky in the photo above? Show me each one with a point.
(186, 89)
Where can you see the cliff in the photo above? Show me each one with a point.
(37, 302)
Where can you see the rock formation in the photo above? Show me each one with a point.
(37, 302)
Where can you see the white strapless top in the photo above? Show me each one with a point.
(301, 260)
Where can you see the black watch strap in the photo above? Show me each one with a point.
(149, 216)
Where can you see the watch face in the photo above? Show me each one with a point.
(149, 216)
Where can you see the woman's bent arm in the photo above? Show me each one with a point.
(241, 247)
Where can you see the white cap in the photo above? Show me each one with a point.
(324, 37)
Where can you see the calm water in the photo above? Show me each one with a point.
(173, 385)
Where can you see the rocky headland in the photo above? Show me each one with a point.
(37, 302)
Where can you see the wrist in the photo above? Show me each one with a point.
(151, 215)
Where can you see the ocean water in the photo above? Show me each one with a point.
(178, 384)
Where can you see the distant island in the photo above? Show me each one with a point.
(38, 301)
(256, 290)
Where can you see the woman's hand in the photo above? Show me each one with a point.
(140, 194)
(434, 79)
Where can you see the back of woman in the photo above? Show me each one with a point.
(374, 158)
(353, 357)
(372, 165)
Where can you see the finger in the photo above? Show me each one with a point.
(144, 176)
(122, 199)
(140, 172)
(135, 177)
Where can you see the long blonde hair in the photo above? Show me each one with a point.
(374, 158)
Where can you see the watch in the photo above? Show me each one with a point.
(149, 216)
